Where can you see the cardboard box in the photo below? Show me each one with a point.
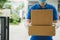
(42, 17)
(42, 30)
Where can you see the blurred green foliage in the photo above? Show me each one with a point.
(14, 13)
(2, 3)
(15, 19)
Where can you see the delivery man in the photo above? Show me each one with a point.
(42, 5)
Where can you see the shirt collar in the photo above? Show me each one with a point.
(39, 6)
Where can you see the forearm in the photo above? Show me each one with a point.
(55, 21)
(29, 22)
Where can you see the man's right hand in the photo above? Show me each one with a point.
(29, 22)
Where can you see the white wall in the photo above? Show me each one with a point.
(53, 2)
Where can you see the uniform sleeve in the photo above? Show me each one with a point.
(55, 14)
(29, 12)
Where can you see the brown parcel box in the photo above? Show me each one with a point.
(42, 30)
(42, 17)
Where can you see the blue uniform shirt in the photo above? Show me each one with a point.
(38, 7)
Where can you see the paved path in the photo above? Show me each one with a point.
(19, 32)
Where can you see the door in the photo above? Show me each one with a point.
(4, 28)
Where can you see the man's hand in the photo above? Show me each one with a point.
(29, 22)
(56, 24)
